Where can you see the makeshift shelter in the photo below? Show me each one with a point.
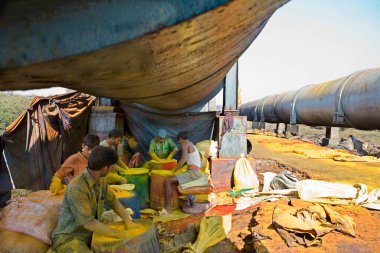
(52, 129)
(49, 131)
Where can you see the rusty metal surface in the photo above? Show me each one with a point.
(351, 101)
(172, 68)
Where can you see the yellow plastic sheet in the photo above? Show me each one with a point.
(149, 211)
(211, 232)
(174, 215)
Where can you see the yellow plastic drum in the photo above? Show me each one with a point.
(143, 238)
(140, 178)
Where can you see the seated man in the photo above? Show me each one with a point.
(73, 165)
(132, 156)
(83, 205)
(190, 155)
(114, 141)
(162, 147)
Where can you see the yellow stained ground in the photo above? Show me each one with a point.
(282, 150)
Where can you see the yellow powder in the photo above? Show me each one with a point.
(135, 171)
(164, 161)
(170, 172)
(119, 193)
(141, 228)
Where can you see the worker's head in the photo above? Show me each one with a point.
(89, 142)
(114, 136)
(182, 136)
(161, 135)
(101, 159)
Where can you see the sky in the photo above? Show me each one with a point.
(311, 41)
(305, 42)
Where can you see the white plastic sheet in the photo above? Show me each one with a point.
(334, 193)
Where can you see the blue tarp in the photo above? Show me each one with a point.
(144, 126)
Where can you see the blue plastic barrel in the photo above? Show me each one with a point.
(133, 203)
(140, 178)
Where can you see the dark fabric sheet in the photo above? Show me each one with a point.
(40, 141)
(5, 181)
(144, 126)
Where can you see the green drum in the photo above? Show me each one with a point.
(140, 178)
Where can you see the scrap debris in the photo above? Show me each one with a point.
(306, 226)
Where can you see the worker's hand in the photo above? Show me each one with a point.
(170, 156)
(129, 224)
(56, 187)
(121, 164)
(154, 156)
(113, 178)
(116, 168)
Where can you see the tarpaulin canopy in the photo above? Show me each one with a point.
(49, 131)
(169, 56)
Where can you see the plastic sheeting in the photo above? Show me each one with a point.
(38, 141)
(212, 231)
(5, 181)
(331, 193)
(144, 126)
(244, 176)
(169, 56)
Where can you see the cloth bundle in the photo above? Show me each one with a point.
(306, 226)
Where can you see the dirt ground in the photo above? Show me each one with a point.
(258, 219)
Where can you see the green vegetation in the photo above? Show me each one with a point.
(10, 108)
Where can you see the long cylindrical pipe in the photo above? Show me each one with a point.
(351, 101)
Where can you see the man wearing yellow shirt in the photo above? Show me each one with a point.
(162, 147)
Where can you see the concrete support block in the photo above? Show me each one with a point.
(332, 136)
(234, 142)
